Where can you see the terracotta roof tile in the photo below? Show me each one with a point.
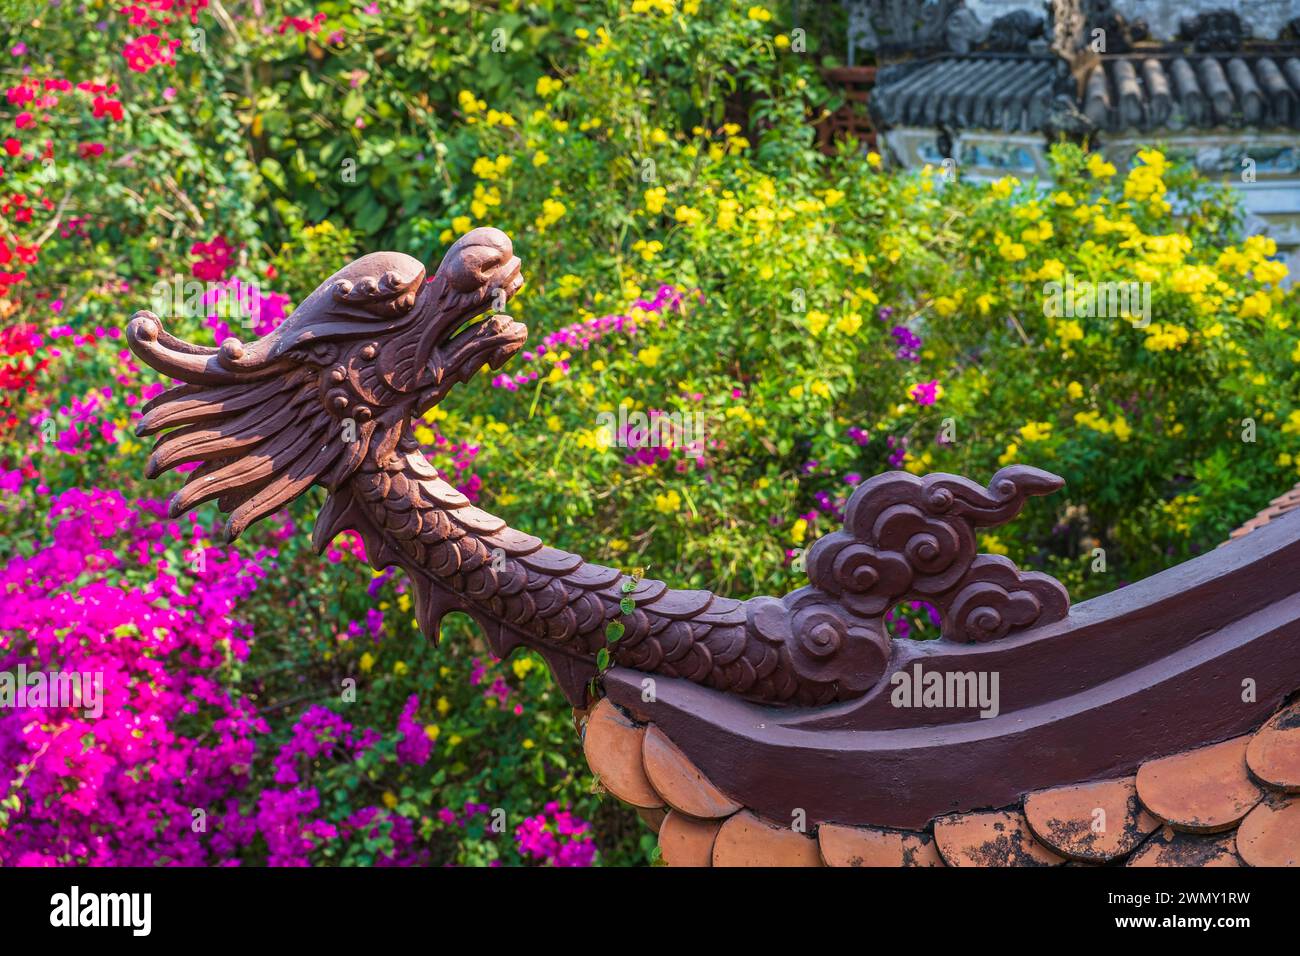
(745, 840)
(1002, 838)
(1168, 847)
(1202, 791)
(679, 782)
(1092, 822)
(1270, 834)
(1273, 755)
(612, 745)
(869, 846)
(1211, 799)
(685, 841)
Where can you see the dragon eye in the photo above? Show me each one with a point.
(472, 266)
(471, 261)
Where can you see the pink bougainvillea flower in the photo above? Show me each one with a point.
(556, 837)
(214, 259)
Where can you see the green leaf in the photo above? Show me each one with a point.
(353, 104)
(627, 605)
(602, 658)
(273, 173)
(371, 218)
(613, 631)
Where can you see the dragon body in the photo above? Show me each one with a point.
(328, 398)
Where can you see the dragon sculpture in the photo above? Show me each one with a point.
(328, 397)
(786, 702)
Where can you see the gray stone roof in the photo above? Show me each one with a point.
(1150, 92)
(991, 91)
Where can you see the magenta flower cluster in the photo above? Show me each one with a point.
(150, 780)
(163, 774)
(556, 837)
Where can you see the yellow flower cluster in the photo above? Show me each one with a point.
(688, 215)
(849, 323)
(1165, 336)
(485, 168)
(484, 198)
(1099, 168)
(552, 211)
(655, 199)
(1167, 250)
(469, 103)
(1181, 510)
(1003, 187)
(727, 209)
(1036, 431)
(1145, 183)
(1256, 305)
(1068, 331)
(648, 250)
(570, 285)
(918, 464)
(1008, 249)
(669, 503)
(1192, 280)
(1119, 427)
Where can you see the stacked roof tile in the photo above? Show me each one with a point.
(1016, 92)
(1202, 91)
(1012, 93)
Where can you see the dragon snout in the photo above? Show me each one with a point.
(500, 337)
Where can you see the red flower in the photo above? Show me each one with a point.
(25, 120)
(303, 26)
(106, 107)
(13, 147)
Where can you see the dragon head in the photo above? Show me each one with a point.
(335, 385)
(479, 272)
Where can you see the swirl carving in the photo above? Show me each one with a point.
(907, 537)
